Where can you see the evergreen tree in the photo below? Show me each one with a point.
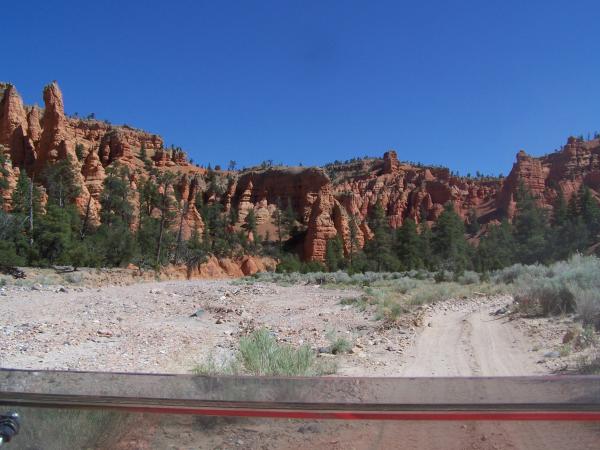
(54, 237)
(3, 175)
(472, 227)
(114, 200)
(233, 216)
(449, 243)
(379, 249)
(195, 252)
(288, 219)
(353, 241)
(148, 192)
(408, 246)
(590, 212)
(165, 206)
(426, 246)
(217, 240)
(61, 182)
(496, 248)
(10, 233)
(79, 151)
(27, 206)
(560, 211)
(250, 227)
(334, 254)
(530, 229)
(114, 238)
(143, 155)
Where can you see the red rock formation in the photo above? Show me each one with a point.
(324, 200)
(179, 158)
(94, 174)
(34, 128)
(54, 129)
(12, 176)
(390, 162)
(162, 159)
(13, 124)
(321, 226)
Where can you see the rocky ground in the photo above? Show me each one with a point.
(172, 326)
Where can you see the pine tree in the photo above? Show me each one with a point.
(353, 241)
(449, 243)
(10, 233)
(473, 223)
(79, 151)
(496, 248)
(165, 207)
(114, 200)
(590, 211)
(3, 175)
(288, 219)
(54, 237)
(334, 254)
(61, 182)
(148, 192)
(143, 155)
(560, 211)
(530, 229)
(26, 205)
(114, 238)
(426, 246)
(379, 249)
(195, 252)
(408, 246)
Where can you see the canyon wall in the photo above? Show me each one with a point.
(325, 201)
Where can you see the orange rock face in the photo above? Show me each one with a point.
(325, 201)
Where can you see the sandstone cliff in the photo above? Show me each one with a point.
(324, 200)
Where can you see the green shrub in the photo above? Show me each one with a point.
(469, 277)
(260, 354)
(338, 344)
(566, 286)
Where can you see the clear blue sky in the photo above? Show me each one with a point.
(459, 83)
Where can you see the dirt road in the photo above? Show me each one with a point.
(468, 341)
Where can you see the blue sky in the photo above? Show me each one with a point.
(464, 84)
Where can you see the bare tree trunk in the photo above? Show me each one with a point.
(180, 232)
(162, 227)
(86, 218)
(31, 211)
(160, 236)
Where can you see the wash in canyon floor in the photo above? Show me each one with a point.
(173, 326)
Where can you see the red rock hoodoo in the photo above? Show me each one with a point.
(324, 200)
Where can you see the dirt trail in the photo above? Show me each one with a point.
(469, 342)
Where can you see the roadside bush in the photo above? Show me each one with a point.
(469, 277)
(515, 272)
(338, 344)
(545, 296)
(260, 354)
(566, 286)
(443, 275)
(587, 303)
